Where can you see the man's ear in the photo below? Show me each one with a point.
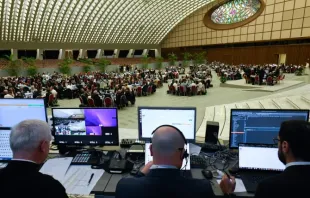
(151, 150)
(44, 146)
(285, 146)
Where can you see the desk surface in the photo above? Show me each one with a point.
(110, 186)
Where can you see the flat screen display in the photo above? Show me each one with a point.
(85, 126)
(259, 157)
(13, 111)
(260, 126)
(152, 117)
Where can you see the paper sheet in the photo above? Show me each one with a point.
(56, 167)
(239, 185)
(149, 158)
(77, 178)
(194, 149)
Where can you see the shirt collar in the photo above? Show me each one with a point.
(163, 167)
(298, 164)
(23, 160)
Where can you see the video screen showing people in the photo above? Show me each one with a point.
(79, 125)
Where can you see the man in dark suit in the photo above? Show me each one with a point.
(30, 142)
(294, 152)
(163, 177)
(97, 100)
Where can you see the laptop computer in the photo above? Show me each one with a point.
(258, 162)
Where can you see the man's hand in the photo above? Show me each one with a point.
(228, 185)
(146, 169)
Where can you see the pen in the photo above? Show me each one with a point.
(91, 177)
(226, 174)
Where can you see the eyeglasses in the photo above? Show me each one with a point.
(276, 140)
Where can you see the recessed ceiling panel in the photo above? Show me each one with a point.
(92, 21)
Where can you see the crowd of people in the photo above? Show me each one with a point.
(94, 89)
(268, 74)
(195, 82)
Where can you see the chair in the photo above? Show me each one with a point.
(139, 91)
(194, 90)
(149, 90)
(51, 100)
(107, 102)
(256, 79)
(81, 100)
(172, 90)
(91, 102)
(182, 91)
(269, 80)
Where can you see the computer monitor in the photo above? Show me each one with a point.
(13, 111)
(259, 157)
(85, 126)
(5, 149)
(149, 118)
(260, 125)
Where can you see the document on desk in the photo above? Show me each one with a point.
(194, 149)
(76, 181)
(56, 167)
(239, 186)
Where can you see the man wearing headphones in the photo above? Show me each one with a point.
(162, 177)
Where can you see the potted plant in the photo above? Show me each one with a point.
(13, 67)
(186, 58)
(299, 71)
(145, 61)
(31, 67)
(199, 58)
(102, 64)
(159, 62)
(223, 79)
(172, 59)
(64, 66)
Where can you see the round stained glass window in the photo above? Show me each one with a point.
(233, 13)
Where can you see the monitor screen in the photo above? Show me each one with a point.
(13, 111)
(259, 126)
(152, 117)
(85, 126)
(259, 157)
(5, 149)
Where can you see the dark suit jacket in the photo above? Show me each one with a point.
(97, 100)
(23, 179)
(293, 182)
(163, 183)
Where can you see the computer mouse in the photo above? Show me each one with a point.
(207, 174)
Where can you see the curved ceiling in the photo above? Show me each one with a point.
(92, 21)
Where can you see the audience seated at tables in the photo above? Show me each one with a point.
(61, 87)
(268, 74)
(30, 143)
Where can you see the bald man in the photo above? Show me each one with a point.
(162, 177)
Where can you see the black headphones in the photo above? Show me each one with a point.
(185, 154)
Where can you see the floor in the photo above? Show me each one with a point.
(215, 96)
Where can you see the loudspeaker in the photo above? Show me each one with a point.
(212, 132)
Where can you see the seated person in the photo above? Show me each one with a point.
(30, 143)
(162, 177)
(294, 152)
(144, 89)
(97, 100)
(84, 96)
(7, 95)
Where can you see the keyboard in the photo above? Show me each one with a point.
(198, 162)
(127, 143)
(208, 147)
(5, 149)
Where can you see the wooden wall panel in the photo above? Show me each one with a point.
(296, 54)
